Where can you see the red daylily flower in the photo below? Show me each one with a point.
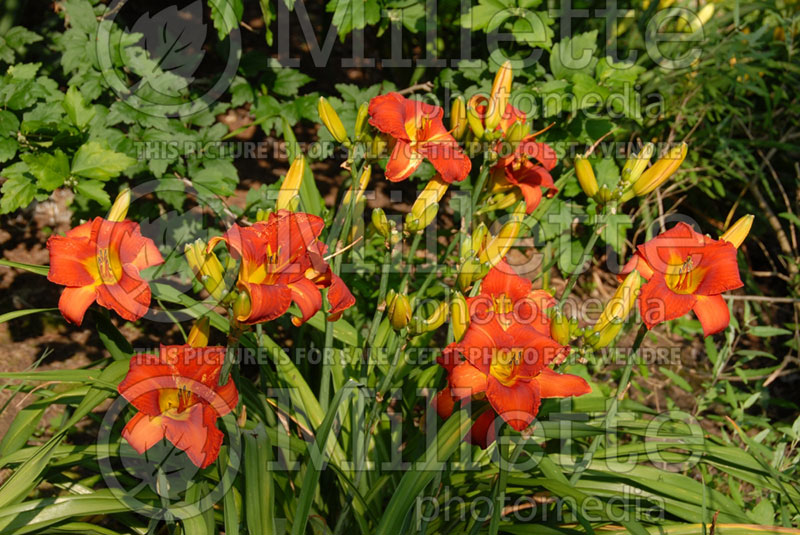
(178, 396)
(518, 170)
(283, 261)
(419, 133)
(511, 298)
(100, 260)
(509, 366)
(686, 271)
(505, 354)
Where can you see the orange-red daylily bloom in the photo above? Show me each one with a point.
(511, 298)
(178, 396)
(419, 133)
(283, 261)
(686, 271)
(504, 355)
(100, 260)
(517, 170)
(527, 168)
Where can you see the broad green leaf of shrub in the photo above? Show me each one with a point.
(50, 170)
(574, 55)
(77, 110)
(226, 15)
(18, 190)
(98, 161)
(93, 190)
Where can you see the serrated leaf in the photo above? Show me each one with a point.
(226, 15)
(573, 55)
(289, 81)
(18, 192)
(93, 190)
(98, 161)
(77, 110)
(8, 148)
(50, 170)
(9, 124)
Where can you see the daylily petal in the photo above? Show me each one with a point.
(560, 385)
(196, 433)
(199, 364)
(713, 313)
(147, 375)
(503, 280)
(448, 159)
(722, 269)
(482, 433)
(466, 380)
(74, 302)
(267, 302)
(402, 162)
(143, 432)
(307, 297)
(639, 263)
(339, 297)
(658, 303)
(129, 297)
(532, 196)
(517, 405)
(68, 260)
(388, 114)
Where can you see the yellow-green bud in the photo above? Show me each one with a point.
(331, 120)
(459, 315)
(560, 328)
(586, 178)
(635, 165)
(361, 119)
(660, 171)
(201, 330)
(398, 310)
(120, 207)
(458, 118)
(381, 223)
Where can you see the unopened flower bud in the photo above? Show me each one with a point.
(474, 118)
(425, 208)
(606, 335)
(458, 118)
(331, 120)
(559, 328)
(120, 207)
(431, 323)
(241, 307)
(459, 315)
(290, 189)
(363, 182)
(398, 310)
(497, 247)
(635, 165)
(737, 232)
(361, 119)
(586, 178)
(206, 267)
(499, 96)
(660, 171)
(201, 330)
(621, 304)
(381, 223)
